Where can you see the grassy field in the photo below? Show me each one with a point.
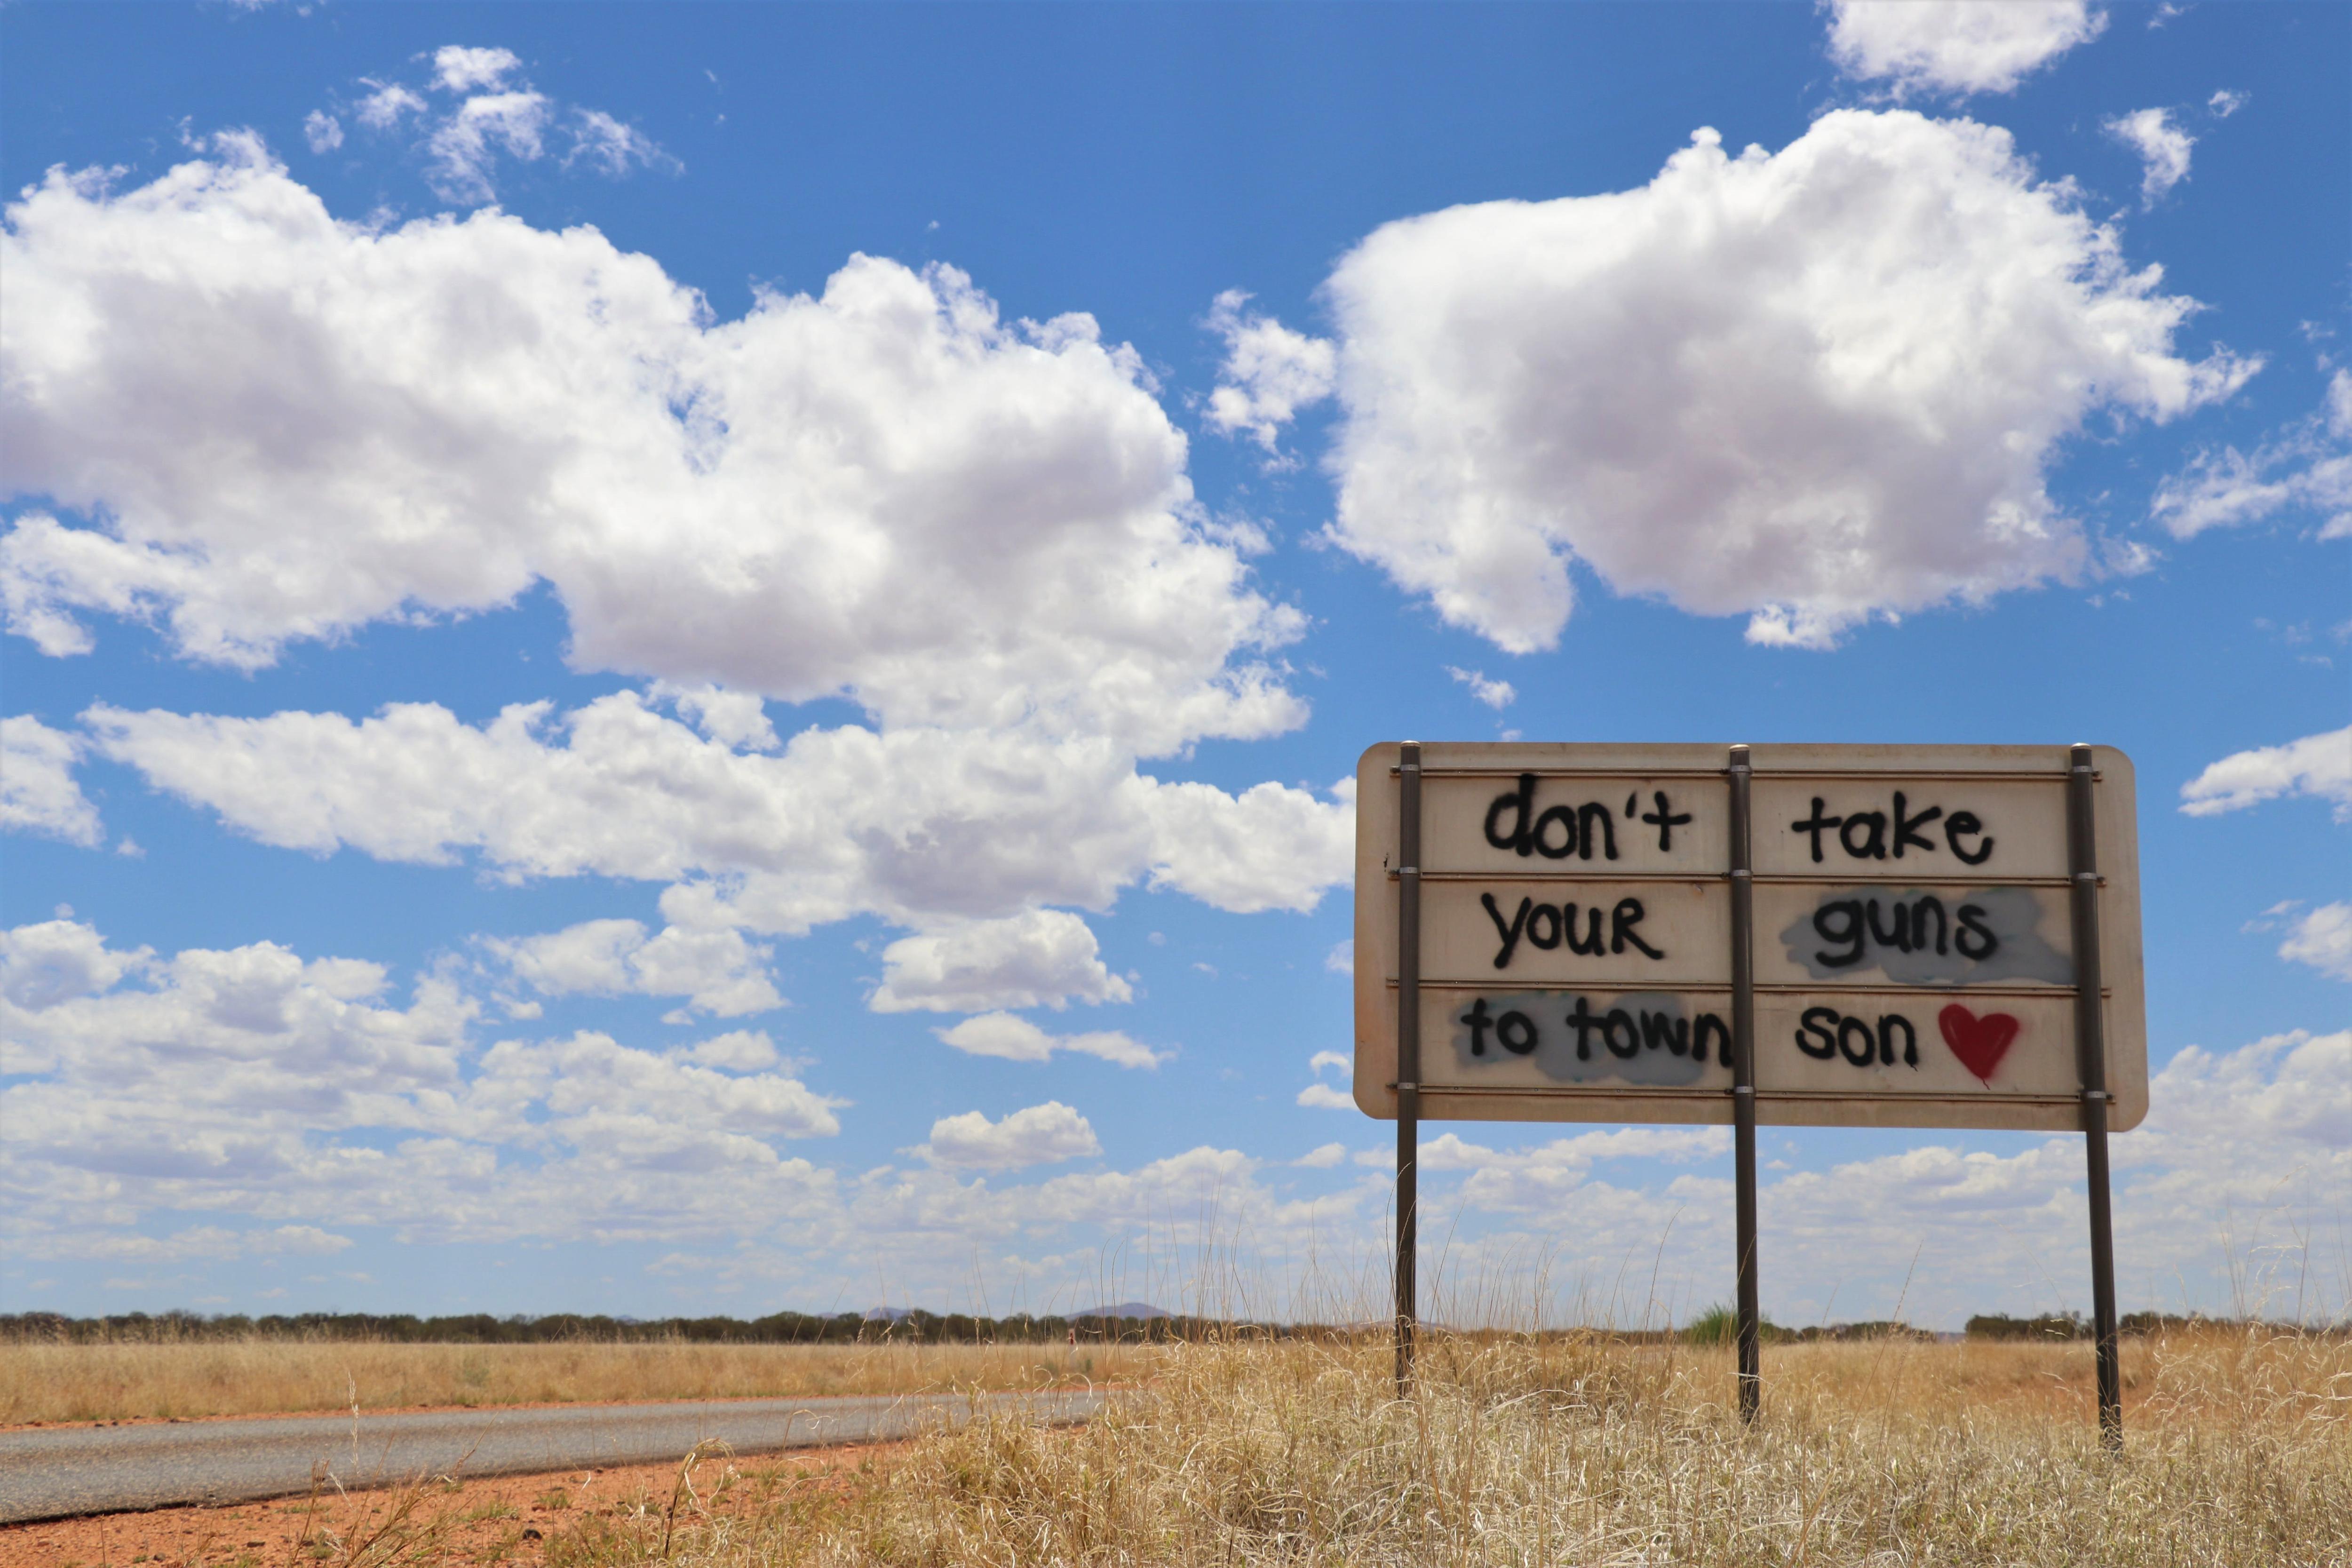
(190, 1378)
(2239, 1451)
(1577, 1450)
(1527, 1454)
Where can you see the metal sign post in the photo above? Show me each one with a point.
(1867, 936)
(2090, 1046)
(1408, 1058)
(1743, 1083)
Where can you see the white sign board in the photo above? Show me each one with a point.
(1911, 938)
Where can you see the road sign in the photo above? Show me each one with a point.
(1880, 936)
(1911, 942)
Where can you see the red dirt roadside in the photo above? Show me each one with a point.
(497, 1520)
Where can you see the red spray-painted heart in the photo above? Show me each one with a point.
(1979, 1043)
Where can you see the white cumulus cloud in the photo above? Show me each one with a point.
(465, 145)
(938, 830)
(386, 104)
(1017, 1039)
(1321, 1096)
(1038, 958)
(738, 1050)
(255, 1081)
(2162, 145)
(38, 793)
(596, 1089)
(1534, 1180)
(205, 1241)
(2318, 765)
(1808, 386)
(2225, 1200)
(1269, 847)
(885, 491)
(1956, 47)
(458, 68)
(2248, 1148)
(1495, 694)
(612, 146)
(1041, 1135)
(717, 970)
(488, 113)
(2322, 938)
(2307, 467)
(1269, 373)
(979, 530)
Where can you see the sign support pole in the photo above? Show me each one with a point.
(1743, 1083)
(2090, 1038)
(1408, 1066)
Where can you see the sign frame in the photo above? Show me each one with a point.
(2091, 788)
(1491, 766)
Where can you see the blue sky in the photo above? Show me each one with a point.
(965, 483)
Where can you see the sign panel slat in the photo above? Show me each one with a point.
(1958, 830)
(1654, 933)
(1913, 933)
(1575, 826)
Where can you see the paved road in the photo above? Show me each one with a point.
(58, 1472)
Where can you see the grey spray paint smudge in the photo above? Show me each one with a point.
(1554, 1042)
(2012, 915)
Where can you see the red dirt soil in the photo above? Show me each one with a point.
(497, 1520)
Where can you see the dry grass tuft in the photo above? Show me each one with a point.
(1581, 1450)
(191, 1378)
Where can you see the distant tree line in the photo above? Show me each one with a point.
(485, 1329)
(2074, 1326)
(953, 1327)
(1873, 1328)
(1720, 1326)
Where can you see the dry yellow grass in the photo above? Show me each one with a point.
(2238, 1452)
(191, 1377)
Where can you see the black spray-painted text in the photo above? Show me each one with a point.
(1875, 835)
(1547, 926)
(1623, 1031)
(1558, 832)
